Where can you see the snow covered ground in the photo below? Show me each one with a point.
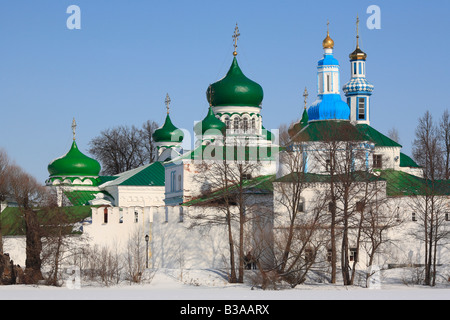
(210, 285)
(205, 284)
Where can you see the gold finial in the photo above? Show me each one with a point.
(328, 43)
(305, 96)
(167, 101)
(235, 37)
(74, 126)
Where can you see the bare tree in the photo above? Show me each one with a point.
(430, 206)
(29, 194)
(225, 182)
(123, 148)
(394, 135)
(444, 132)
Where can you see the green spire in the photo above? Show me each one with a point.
(235, 89)
(74, 163)
(210, 123)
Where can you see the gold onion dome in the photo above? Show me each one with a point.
(328, 43)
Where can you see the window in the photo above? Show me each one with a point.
(329, 255)
(228, 123)
(309, 255)
(377, 161)
(328, 165)
(354, 67)
(353, 254)
(181, 215)
(360, 206)
(245, 124)
(360, 69)
(236, 123)
(173, 181)
(361, 108)
(328, 83)
(253, 124)
(413, 217)
(179, 182)
(331, 207)
(105, 215)
(301, 206)
(136, 217)
(447, 218)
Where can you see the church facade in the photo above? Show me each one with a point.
(165, 199)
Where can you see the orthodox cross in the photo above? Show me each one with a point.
(235, 37)
(74, 126)
(357, 31)
(305, 96)
(167, 101)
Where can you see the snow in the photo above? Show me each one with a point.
(209, 284)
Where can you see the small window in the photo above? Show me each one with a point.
(329, 255)
(353, 254)
(361, 108)
(413, 217)
(105, 215)
(360, 206)
(136, 217)
(328, 83)
(328, 165)
(331, 207)
(354, 67)
(228, 122)
(301, 206)
(245, 124)
(377, 161)
(181, 215)
(253, 124)
(309, 255)
(236, 123)
(447, 218)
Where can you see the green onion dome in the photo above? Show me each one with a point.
(74, 163)
(210, 123)
(235, 89)
(168, 132)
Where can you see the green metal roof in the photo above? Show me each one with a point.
(400, 183)
(329, 131)
(344, 131)
(150, 175)
(406, 161)
(81, 197)
(376, 137)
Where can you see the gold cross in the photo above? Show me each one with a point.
(74, 126)
(167, 101)
(235, 37)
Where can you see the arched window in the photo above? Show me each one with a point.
(245, 124)
(228, 122)
(236, 124)
(254, 124)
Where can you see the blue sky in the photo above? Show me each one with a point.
(118, 68)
